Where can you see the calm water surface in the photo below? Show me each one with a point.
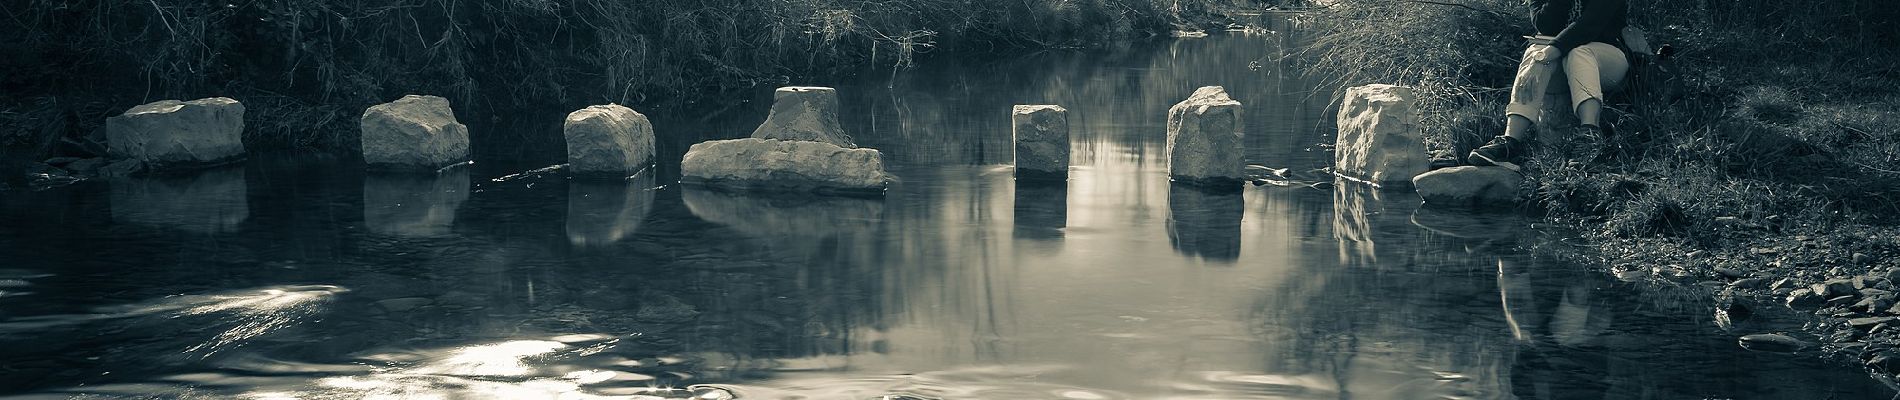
(304, 278)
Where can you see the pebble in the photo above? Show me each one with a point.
(1869, 322)
(1748, 283)
(1730, 272)
(1804, 299)
(1884, 361)
(1836, 287)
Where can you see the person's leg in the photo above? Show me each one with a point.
(1593, 70)
(1527, 100)
(1527, 93)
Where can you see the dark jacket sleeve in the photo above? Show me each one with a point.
(1599, 16)
(1551, 16)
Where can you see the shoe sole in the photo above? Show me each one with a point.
(1481, 160)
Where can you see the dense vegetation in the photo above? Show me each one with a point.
(306, 68)
(1764, 154)
(1767, 109)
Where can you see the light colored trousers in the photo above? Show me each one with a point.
(1590, 70)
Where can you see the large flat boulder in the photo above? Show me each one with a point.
(414, 132)
(1378, 141)
(805, 113)
(1204, 139)
(170, 133)
(1469, 186)
(785, 165)
(608, 140)
(1042, 142)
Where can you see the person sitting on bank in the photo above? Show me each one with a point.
(1593, 59)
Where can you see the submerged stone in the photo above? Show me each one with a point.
(608, 139)
(1204, 139)
(1469, 186)
(767, 164)
(414, 132)
(805, 113)
(1773, 342)
(170, 133)
(1379, 140)
(404, 303)
(1042, 142)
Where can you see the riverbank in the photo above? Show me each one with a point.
(1758, 161)
(306, 69)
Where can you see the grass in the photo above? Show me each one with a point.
(307, 67)
(1768, 144)
(1769, 109)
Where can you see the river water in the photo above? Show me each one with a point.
(295, 277)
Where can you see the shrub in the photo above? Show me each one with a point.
(1772, 108)
(308, 66)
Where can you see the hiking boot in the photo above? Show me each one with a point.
(1503, 151)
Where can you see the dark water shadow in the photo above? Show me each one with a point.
(789, 217)
(414, 205)
(1205, 223)
(1041, 210)
(604, 212)
(210, 201)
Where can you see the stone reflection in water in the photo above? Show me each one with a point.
(211, 201)
(415, 205)
(602, 212)
(795, 217)
(1041, 210)
(1358, 212)
(1205, 223)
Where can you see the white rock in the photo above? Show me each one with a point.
(414, 132)
(1469, 186)
(1378, 139)
(784, 165)
(414, 205)
(171, 132)
(609, 139)
(805, 113)
(601, 213)
(1204, 139)
(1042, 141)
